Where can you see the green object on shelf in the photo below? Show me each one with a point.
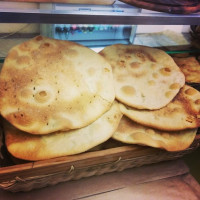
(183, 51)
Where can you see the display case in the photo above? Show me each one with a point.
(31, 175)
(118, 13)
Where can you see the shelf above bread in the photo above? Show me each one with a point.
(118, 13)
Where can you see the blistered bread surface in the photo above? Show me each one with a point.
(145, 77)
(48, 85)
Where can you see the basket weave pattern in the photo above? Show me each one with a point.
(73, 173)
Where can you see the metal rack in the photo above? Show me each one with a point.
(118, 13)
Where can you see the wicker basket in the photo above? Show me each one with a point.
(33, 175)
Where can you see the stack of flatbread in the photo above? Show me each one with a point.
(57, 98)
(190, 66)
(159, 109)
(60, 98)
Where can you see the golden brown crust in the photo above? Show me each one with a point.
(181, 113)
(132, 133)
(38, 147)
(190, 67)
(48, 85)
(143, 76)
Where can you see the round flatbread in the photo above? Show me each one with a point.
(190, 67)
(48, 85)
(133, 133)
(144, 77)
(38, 147)
(181, 113)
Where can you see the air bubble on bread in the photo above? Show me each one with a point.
(24, 47)
(190, 91)
(197, 102)
(128, 90)
(168, 94)
(45, 45)
(151, 82)
(42, 96)
(174, 86)
(42, 93)
(135, 65)
(150, 131)
(155, 75)
(141, 56)
(153, 66)
(122, 63)
(165, 71)
(106, 70)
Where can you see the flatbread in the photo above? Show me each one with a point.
(38, 147)
(48, 85)
(190, 67)
(133, 133)
(181, 113)
(145, 77)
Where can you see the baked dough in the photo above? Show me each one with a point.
(190, 67)
(39, 147)
(183, 112)
(144, 77)
(131, 132)
(47, 85)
